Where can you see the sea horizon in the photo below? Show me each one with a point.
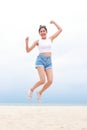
(42, 104)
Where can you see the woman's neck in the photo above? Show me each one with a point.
(44, 38)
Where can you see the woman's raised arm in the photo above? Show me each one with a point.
(29, 48)
(58, 32)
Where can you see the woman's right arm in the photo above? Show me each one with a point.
(29, 48)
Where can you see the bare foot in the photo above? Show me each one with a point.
(38, 97)
(30, 92)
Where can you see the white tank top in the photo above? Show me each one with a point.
(45, 45)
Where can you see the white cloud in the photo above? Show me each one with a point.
(72, 66)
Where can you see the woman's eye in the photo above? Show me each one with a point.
(42, 31)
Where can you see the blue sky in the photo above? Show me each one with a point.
(19, 19)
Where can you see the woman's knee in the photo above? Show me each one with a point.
(50, 81)
(42, 81)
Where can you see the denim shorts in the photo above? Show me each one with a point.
(43, 61)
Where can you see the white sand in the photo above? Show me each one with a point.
(43, 117)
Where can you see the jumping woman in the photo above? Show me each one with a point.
(44, 59)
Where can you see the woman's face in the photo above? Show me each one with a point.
(43, 33)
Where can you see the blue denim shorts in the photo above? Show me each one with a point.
(43, 61)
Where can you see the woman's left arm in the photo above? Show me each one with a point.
(58, 32)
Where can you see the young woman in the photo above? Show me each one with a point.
(43, 61)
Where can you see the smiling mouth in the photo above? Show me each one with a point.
(43, 34)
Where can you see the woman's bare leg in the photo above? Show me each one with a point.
(41, 73)
(49, 74)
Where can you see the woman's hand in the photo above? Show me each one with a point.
(27, 39)
(52, 22)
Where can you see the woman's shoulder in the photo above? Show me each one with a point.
(36, 42)
(49, 38)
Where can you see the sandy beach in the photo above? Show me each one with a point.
(43, 117)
